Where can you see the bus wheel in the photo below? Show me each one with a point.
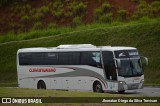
(97, 87)
(121, 91)
(41, 85)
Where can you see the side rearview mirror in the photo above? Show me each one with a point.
(144, 61)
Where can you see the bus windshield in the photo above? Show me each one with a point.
(130, 68)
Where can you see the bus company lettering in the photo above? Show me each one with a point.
(42, 70)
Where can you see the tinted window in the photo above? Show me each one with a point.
(109, 65)
(51, 58)
(38, 59)
(68, 58)
(76, 58)
(90, 58)
(25, 58)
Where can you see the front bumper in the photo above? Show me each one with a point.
(123, 86)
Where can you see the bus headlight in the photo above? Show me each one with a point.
(122, 82)
(142, 81)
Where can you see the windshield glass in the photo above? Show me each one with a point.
(130, 67)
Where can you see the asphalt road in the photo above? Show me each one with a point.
(146, 91)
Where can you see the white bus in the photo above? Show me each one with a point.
(80, 67)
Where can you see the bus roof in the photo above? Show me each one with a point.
(77, 47)
(115, 48)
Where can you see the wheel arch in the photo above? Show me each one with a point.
(39, 81)
(104, 84)
(94, 83)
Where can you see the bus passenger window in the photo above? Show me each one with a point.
(68, 58)
(25, 58)
(38, 58)
(51, 58)
(91, 58)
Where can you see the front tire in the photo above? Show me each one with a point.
(121, 92)
(97, 87)
(41, 85)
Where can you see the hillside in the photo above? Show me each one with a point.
(17, 16)
(144, 36)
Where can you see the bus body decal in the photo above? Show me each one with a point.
(75, 73)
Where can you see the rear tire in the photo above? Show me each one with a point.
(97, 87)
(41, 85)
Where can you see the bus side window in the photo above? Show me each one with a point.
(38, 58)
(64, 58)
(25, 58)
(51, 58)
(91, 58)
(69, 58)
(75, 58)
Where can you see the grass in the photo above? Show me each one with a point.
(8, 84)
(144, 36)
(17, 92)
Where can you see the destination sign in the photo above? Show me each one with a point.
(126, 54)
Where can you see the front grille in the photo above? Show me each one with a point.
(133, 86)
